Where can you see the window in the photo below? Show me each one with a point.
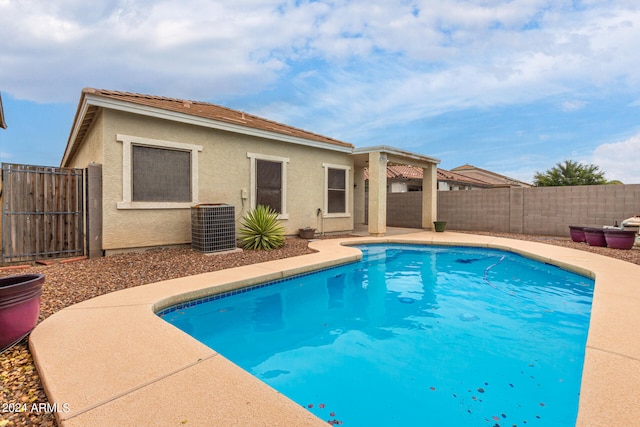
(337, 193)
(268, 182)
(158, 174)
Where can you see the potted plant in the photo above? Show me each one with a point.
(619, 239)
(307, 233)
(577, 233)
(439, 225)
(19, 307)
(595, 236)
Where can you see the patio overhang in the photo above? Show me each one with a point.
(394, 156)
(376, 159)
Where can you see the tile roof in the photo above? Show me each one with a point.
(491, 177)
(412, 172)
(403, 172)
(213, 112)
(206, 114)
(447, 175)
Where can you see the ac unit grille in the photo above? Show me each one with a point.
(213, 228)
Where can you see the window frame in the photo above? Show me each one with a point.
(347, 191)
(284, 161)
(127, 173)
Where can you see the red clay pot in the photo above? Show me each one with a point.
(577, 233)
(620, 239)
(595, 236)
(19, 307)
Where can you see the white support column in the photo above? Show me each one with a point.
(377, 193)
(429, 196)
(358, 195)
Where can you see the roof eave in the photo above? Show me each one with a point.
(89, 98)
(75, 128)
(397, 155)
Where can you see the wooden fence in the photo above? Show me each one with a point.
(42, 212)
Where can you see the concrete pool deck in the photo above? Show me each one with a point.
(111, 361)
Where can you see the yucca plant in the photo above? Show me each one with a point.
(261, 229)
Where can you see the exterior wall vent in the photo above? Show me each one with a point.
(213, 227)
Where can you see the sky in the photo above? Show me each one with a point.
(513, 86)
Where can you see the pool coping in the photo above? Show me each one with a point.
(111, 361)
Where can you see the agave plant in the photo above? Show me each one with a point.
(261, 229)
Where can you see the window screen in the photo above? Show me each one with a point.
(160, 175)
(269, 184)
(337, 191)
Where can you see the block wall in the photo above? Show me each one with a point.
(544, 210)
(404, 209)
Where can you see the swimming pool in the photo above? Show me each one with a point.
(412, 335)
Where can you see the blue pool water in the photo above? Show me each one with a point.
(412, 336)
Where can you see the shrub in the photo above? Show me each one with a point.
(261, 229)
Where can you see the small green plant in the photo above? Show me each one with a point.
(261, 229)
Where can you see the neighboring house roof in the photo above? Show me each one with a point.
(399, 172)
(493, 178)
(403, 172)
(3, 124)
(456, 178)
(406, 172)
(194, 112)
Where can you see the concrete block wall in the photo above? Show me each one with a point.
(404, 209)
(544, 210)
(487, 210)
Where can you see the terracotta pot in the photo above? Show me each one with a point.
(577, 233)
(595, 236)
(620, 239)
(19, 307)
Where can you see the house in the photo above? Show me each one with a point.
(3, 124)
(405, 178)
(449, 180)
(151, 158)
(495, 179)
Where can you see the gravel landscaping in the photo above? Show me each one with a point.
(70, 283)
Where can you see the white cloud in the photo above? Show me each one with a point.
(350, 67)
(620, 160)
(569, 106)
(185, 49)
(471, 47)
(450, 58)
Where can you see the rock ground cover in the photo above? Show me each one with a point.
(67, 284)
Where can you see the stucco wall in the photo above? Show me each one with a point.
(223, 170)
(92, 150)
(545, 210)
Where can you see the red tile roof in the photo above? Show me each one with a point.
(445, 175)
(412, 172)
(213, 112)
(404, 172)
(493, 178)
